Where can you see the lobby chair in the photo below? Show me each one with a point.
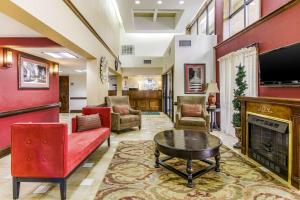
(192, 114)
(123, 116)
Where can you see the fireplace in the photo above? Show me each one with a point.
(271, 135)
(268, 143)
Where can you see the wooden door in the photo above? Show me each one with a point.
(64, 93)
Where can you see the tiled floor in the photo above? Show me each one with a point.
(84, 183)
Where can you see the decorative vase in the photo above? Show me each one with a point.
(238, 134)
(212, 100)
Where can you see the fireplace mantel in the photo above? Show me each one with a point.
(281, 108)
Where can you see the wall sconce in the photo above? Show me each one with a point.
(7, 58)
(54, 69)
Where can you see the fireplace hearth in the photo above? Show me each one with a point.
(268, 144)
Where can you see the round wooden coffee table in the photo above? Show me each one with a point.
(188, 145)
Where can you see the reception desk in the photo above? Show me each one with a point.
(145, 100)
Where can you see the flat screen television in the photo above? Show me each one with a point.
(281, 66)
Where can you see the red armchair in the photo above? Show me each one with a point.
(44, 152)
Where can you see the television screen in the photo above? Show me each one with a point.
(281, 66)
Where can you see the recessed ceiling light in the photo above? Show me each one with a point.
(54, 55)
(159, 2)
(137, 2)
(60, 54)
(181, 2)
(67, 55)
(80, 71)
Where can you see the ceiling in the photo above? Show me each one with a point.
(151, 17)
(67, 66)
(14, 28)
(17, 29)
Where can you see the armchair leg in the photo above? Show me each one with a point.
(140, 126)
(108, 141)
(63, 189)
(16, 188)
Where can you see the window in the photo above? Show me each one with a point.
(202, 23)
(205, 23)
(239, 14)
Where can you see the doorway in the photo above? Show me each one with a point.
(64, 94)
(168, 95)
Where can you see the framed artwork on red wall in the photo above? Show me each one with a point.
(194, 78)
(33, 72)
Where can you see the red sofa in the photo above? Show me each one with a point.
(44, 152)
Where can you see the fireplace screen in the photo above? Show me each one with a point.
(268, 144)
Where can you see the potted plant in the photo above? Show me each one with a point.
(239, 91)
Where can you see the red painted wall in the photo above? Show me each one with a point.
(279, 31)
(12, 98)
(267, 6)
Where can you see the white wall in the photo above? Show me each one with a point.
(201, 51)
(102, 16)
(141, 71)
(112, 81)
(169, 56)
(138, 61)
(77, 89)
(147, 46)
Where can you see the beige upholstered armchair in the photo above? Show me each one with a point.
(192, 114)
(122, 115)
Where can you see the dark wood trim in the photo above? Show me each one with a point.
(273, 100)
(78, 98)
(5, 151)
(90, 27)
(75, 111)
(28, 110)
(260, 21)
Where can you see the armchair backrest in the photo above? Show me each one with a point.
(190, 100)
(39, 150)
(117, 100)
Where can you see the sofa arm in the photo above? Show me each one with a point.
(74, 125)
(135, 112)
(115, 120)
(39, 150)
(104, 112)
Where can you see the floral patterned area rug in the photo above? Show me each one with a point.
(132, 176)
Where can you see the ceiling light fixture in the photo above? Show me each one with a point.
(60, 55)
(159, 2)
(181, 2)
(137, 2)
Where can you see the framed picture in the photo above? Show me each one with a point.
(194, 78)
(33, 73)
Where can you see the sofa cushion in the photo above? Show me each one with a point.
(81, 145)
(122, 109)
(191, 110)
(129, 118)
(192, 121)
(88, 122)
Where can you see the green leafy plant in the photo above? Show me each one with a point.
(239, 91)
